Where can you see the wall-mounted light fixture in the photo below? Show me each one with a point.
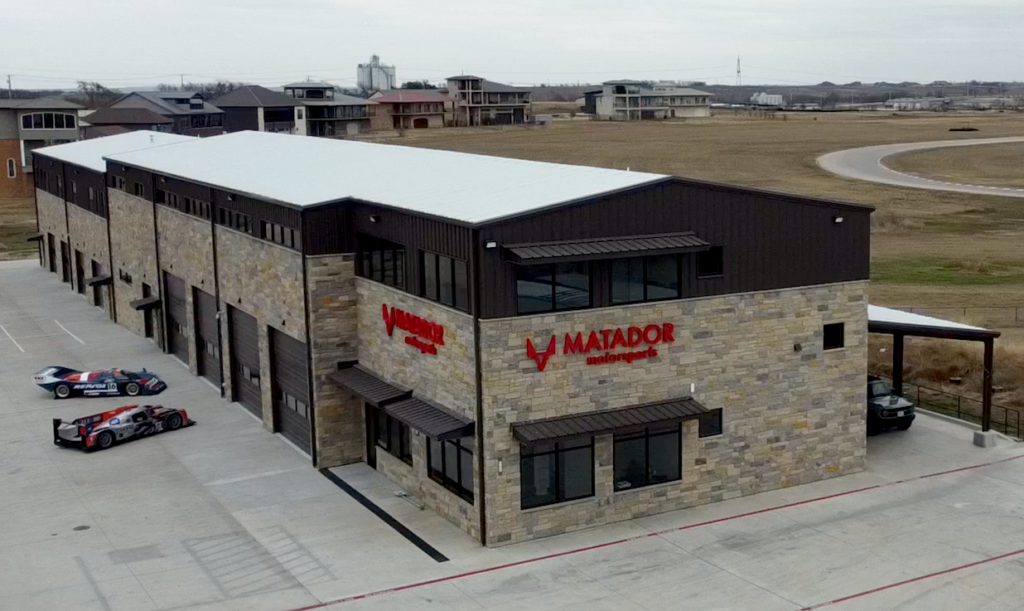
(374, 218)
(837, 220)
(490, 244)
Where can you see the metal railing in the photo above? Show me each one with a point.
(1004, 419)
(994, 316)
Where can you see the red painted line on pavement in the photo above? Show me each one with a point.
(914, 580)
(748, 514)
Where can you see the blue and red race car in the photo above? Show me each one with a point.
(64, 382)
(100, 431)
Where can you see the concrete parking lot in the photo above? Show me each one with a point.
(227, 516)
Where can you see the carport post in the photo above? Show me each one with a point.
(897, 363)
(986, 393)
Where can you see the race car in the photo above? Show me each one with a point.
(64, 382)
(100, 431)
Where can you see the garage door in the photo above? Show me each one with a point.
(245, 361)
(292, 411)
(207, 338)
(177, 316)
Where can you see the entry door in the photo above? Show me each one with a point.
(290, 386)
(65, 263)
(97, 296)
(79, 272)
(207, 337)
(370, 417)
(147, 316)
(245, 361)
(177, 316)
(51, 253)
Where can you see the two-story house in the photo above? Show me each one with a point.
(627, 100)
(482, 102)
(26, 125)
(191, 113)
(329, 113)
(413, 108)
(259, 109)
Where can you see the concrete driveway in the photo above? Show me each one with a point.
(226, 516)
(867, 163)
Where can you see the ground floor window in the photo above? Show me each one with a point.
(556, 472)
(451, 464)
(393, 436)
(651, 456)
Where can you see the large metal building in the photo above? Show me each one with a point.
(527, 348)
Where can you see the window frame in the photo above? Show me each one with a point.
(554, 288)
(450, 265)
(646, 435)
(441, 477)
(12, 168)
(721, 262)
(556, 452)
(371, 252)
(826, 344)
(644, 282)
(711, 424)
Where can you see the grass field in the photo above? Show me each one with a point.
(928, 248)
(999, 165)
(17, 223)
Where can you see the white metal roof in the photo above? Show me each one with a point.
(305, 171)
(898, 317)
(90, 153)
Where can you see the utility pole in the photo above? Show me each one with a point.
(739, 77)
(182, 81)
(10, 93)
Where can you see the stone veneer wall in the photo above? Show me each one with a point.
(340, 432)
(263, 280)
(51, 220)
(134, 251)
(89, 235)
(448, 378)
(186, 251)
(789, 417)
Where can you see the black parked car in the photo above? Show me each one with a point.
(886, 409)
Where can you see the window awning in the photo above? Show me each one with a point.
(146, 303)
(431, 420)
(623, 420)
(35, 238)
(98, 281)
(603, 248)
(372, 389)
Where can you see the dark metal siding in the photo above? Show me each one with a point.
(327, 231)
(257, 211)
(290, 376)
(245, 352)
(240, 119)
(183, 188)
(769, 241)
(208, 341)
(131, 176)
(84, 180)
(177, 315)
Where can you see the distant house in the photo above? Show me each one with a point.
(627, 100)
(111, 121)
(259, 109)
(329, 113)
(26, 125)
(482, 102)
(413, 108)
(191, 114)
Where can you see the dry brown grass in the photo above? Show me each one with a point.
(17, 223)
(996, 165)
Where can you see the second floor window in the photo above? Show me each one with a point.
(279, 234)
(382, 261)
(554, 287)
(445, 280)
(235, 220)
(710, 262)
(645, 279)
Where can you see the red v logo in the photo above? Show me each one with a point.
(542, 357)
(389, 320)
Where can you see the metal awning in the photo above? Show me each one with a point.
(146, 303)
(603, 248)
(98, 281)
(623, 420)
(372, 389)
(35, 238)
(430, 419)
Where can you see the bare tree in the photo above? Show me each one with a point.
(93, 95)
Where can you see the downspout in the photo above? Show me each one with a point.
(216, 291)
(482, 497)
(164, 343)
(313, 448)
(110, 252)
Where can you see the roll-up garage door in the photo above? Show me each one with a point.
(245, 361)
(292, 411)
(177, 316)
(207, 338)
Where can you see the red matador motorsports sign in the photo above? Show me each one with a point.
(424, 335)
(639, 343)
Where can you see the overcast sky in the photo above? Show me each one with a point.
(271, 42)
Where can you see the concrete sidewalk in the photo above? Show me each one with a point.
(227, 516)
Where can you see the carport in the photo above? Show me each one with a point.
(901, 324)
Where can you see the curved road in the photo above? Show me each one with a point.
(866, 164)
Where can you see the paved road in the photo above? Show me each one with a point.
(867, 164)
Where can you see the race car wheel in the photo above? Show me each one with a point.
(174, 421)
(132, 389)
(104, 440)
(62, 391)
